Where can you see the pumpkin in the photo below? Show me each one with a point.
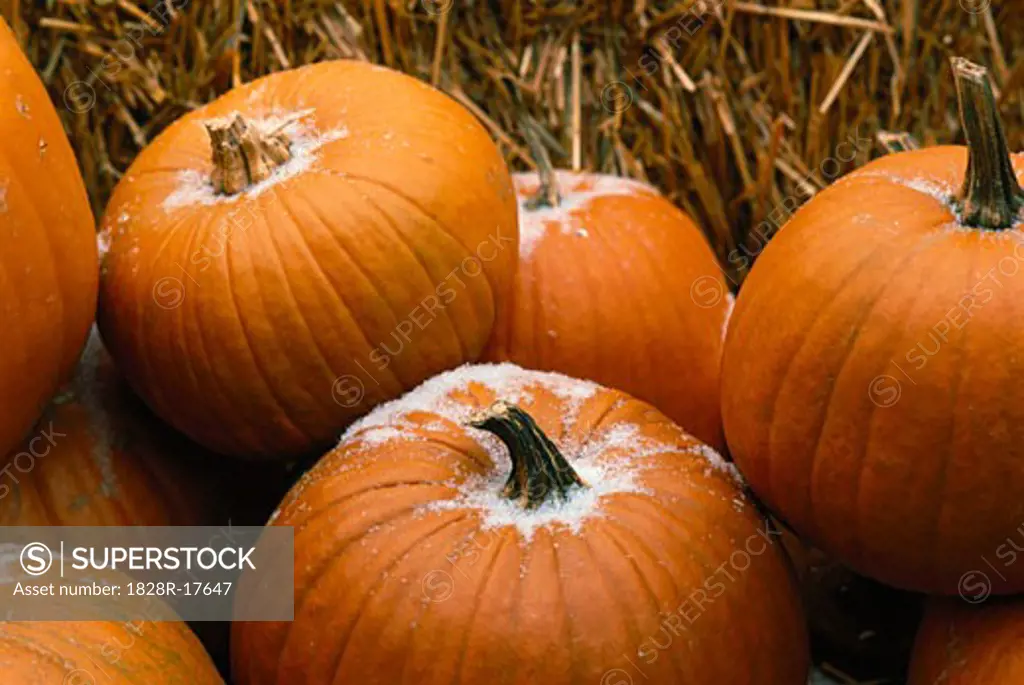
(115, 652)
(98, 457)
(504, 524)
(308, 245)
(617, 285)
(870, 376)
(963, 644)
(48, 273)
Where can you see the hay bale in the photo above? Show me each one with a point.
(739, 110)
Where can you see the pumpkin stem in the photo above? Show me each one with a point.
(991, 197)
(243, 155)
(547, 194)
(539, 471)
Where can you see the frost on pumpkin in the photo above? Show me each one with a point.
(576, 191)
(103, 243)
(730, 304)
(609, 463)
(194, 186)
(436, 396)
(602, 478)
(936, 186)
(932, 186)
(22, 107)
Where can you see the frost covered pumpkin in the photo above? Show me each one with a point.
(98, 457)
(964, 644)
(302, 248)
(871, 378)
(48, 262)
(502, 525)
(617, 285)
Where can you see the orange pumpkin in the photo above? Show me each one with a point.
(48, 263)
(449, 539)
(98, 457)
(302, 248)
(617, 285)
(108, 652)
(870, 376)
(961, 644)
(115, 652)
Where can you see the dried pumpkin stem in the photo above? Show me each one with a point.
(242, 155)
(539, 471)
(547, 194)
(991, 197)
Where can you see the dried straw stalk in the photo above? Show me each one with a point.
(736, 109)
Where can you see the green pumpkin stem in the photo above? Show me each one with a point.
(990, 198)
(539, 471)
(547, 194)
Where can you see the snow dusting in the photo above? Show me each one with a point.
(435, 396)
(605, 473)
(576, 191)
(22, 107)
(940, 190)
(602, 477)
(194, 186)
(730, 302)
(103, 243)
